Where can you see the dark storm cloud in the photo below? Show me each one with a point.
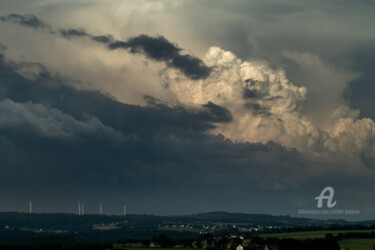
(160, 49)
(73, 139)
(257, 109)
(248, 94)
(216, 113)
(361, 91)
(3, 47)
(25, 20)
(57, 140)
(52, 92)
(70, 33)
(155, 48)
(102, 39)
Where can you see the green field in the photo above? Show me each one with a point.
(352, 244)
(310, 234)
(145, 248)
(357, 244)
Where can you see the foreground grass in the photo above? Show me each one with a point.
(352, 244)
(311, 234)
(145, 248)
(357, 244)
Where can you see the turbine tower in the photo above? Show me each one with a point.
(79, 207)
(82, 208)
(30, 207)
(124, 210)
(100, 208)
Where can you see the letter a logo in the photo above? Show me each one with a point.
(328, 197)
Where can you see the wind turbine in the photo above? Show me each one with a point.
(82, 208)
(30, 207)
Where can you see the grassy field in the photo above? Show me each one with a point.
(352, 244)
(105, 227)
(310, 234)
(144, 248)
(357, 244)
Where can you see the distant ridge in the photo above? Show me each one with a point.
(18, 218)
(16, 226)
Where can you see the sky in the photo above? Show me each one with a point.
(179, 107)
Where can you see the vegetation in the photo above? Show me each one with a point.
(202, 231)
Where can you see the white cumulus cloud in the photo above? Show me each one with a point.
(266, 106)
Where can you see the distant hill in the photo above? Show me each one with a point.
(104, 228)
(72, 222)
(258, 219)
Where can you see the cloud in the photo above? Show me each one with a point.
(25, 20)
(155, 48)
(49, 122)
(70, 33)
(173, 149)
(84, 140)
(325, 83)
(266, 106)
(160, 49)
(3, 47)
(24, 82)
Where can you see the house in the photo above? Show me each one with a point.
(239, 247)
